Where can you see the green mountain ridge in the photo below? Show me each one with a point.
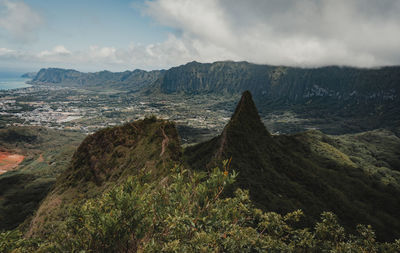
(104, 159)
(285, 173)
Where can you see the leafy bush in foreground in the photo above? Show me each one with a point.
(185, 212)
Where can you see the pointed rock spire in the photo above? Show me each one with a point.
(244, 132)
(246, 118)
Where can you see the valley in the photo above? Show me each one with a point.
(321, 152)
(86, 111)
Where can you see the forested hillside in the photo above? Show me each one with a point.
(289, 172)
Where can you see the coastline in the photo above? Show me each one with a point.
(14, 83)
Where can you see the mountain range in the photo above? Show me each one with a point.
(353, 99)
(128, 80)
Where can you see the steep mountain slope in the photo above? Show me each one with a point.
(285, 173)
(376, 152)
(46, 154)
(104, 159)
(128, 80)
(220, 77)
(361, 99)
(289, 84)
(29, 75)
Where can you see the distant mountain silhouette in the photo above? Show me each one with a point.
(126, 80)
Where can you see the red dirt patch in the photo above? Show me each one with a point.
(40, 159)
(9, 161)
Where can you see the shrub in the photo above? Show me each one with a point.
(184, 212)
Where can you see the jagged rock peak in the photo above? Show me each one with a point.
(246, 116)
(246, 107)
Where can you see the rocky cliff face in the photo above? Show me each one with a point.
(221, 77)
(362, 99)
(291, 84)
(271, 83)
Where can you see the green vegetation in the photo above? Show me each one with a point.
(104, 159)
(376, 152)
(119, 194)
(185, 212)
(47, 154)
(284, 173)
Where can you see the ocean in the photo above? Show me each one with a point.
(13, 82)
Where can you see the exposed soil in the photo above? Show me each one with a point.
(40, 159)
(9, 161)
(164, 142)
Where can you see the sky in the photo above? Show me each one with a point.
(119, 35)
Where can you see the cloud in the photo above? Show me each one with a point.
(19, 20)
(363, 33)
(171, 52)
(6, 51)
(59, 50)
(289, 32)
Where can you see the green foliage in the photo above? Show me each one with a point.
(185, 212)
(13, 241)
(308, 171)
(104, 159)
(122, 150)
(145, 214)
(47, 154)
(20, 194)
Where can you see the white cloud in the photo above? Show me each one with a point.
(360, 33)
(290, 32)
(59, 50)
(19, 20)
(6, 51)
(151, 56)
(102, 52)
